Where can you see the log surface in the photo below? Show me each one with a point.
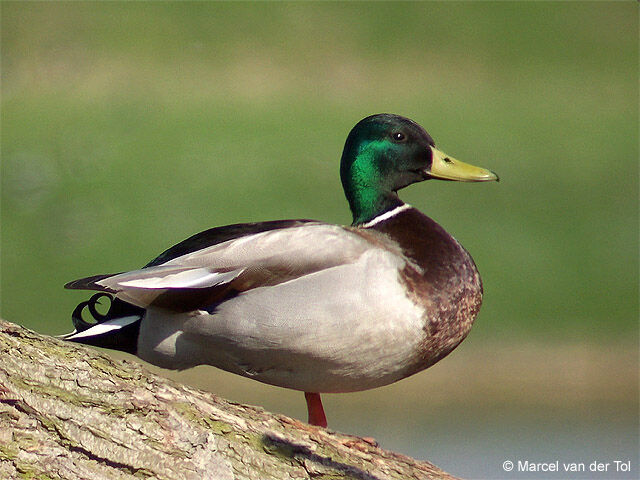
(71, 412)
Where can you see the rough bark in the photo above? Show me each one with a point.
(70, 412)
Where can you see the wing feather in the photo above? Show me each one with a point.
(202, 277)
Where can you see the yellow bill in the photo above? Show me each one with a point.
(445, 167)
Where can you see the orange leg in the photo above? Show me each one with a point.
(316, 412)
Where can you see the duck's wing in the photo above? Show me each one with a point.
(217, 235)
(220, 263)
(195, 243)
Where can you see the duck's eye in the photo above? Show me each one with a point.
(398, 136)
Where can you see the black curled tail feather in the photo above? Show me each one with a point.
(79, 323)
(123, 338)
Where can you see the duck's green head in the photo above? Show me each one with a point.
(385, 153)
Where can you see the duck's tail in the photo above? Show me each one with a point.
(117, 329)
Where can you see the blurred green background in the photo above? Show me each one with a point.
(127, 127)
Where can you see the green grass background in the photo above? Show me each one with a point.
(127, 127)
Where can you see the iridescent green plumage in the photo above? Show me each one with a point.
(382, 154)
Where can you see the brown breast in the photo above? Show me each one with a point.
(440, 276)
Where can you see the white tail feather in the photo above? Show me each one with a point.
(102, 328)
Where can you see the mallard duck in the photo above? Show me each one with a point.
(303, 304)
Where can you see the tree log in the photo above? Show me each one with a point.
(71, 412)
